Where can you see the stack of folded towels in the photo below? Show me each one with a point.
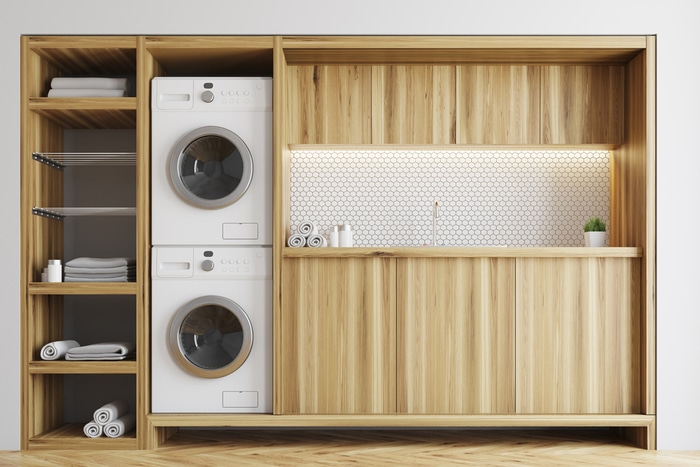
(89, 87)
(72, 350)
(100, 270)
(112, 420)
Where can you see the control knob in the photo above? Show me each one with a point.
(207, 265)
(208, 97)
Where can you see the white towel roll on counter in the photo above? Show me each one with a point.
(92, 429)
(307, 228)
(296, 241)
(120, 426)
(316, 241)
(110, 412)
(57, 349)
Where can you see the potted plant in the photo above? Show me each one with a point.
(594, 232)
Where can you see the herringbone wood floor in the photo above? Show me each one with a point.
(213, 448)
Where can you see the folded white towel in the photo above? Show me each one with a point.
(120, 426)
(89, 275)
(97, 279)
(307, 228)
(296, 241)
(92, 429)
(88, 82)
(102, 351)
(86, 93)
(57, 349)
(316, 241)
(114, 270)
(86, 262)
(110, 412)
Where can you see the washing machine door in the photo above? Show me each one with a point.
(210, 336)
(211, 167)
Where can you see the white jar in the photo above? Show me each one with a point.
(345, 235)
(55, 270)
(334, 236)
(45, 275)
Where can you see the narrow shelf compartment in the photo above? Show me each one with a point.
(102, 367)
(87, 112)
(59, 160)
(83, 288)
(72, 435)
(61, 213)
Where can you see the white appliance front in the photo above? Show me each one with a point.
(211, 161)
(211, 325)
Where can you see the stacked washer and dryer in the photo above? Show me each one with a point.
(211, 217)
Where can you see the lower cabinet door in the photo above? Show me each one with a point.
(455, 320)
(577, 335)
(337, 335)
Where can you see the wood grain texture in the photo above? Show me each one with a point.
(464, 252)
(582, 104)
(330, 104)
(498, 104)
(338, 332)
(456, 335)
(413, 105)
(578, 335)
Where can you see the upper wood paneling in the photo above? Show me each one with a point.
(414, 105)
(455, 335)
(330, 104)
(498, 104)
(578, 335)
(583, 104)
(337, 335)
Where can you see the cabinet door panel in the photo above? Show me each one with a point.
(498, 104)
(456, 335)
(330, 104)
(338, 336)
(414, 104)
(583, 104)
(578, 348)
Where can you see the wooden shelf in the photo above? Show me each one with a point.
(83, 288)
(62, 367)
(463, 252)
(87, 112)
(71, 436)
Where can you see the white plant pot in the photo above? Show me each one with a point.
(594, 239)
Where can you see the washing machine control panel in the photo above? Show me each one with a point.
(233, 94)
(221, 262)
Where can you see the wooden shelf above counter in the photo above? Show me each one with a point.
(464, 252)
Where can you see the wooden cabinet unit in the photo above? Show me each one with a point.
(456, 325)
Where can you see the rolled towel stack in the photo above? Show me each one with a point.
(102, 351)
(306, 235)
(112, 419)
(88, 87)
(57, 349)
(85, 269)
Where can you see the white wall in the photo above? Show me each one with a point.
(674, 21)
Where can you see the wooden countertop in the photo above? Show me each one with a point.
(464, 252)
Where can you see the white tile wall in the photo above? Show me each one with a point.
(486, 198)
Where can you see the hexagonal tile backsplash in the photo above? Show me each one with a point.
(485, 198)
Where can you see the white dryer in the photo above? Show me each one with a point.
(211, 161)
(211, 324)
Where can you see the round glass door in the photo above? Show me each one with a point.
(210, 336)
(211, 167)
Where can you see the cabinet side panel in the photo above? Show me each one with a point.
(330, 104)
(417, 104)
(339, 335)
(577, 344)
(583, 104)
(498, 104)
(456, 335)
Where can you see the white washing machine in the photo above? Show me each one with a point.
(211, 161)
(211, 324)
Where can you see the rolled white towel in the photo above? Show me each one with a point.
(307, 228)
(296, 241)
(57, 349)
(120, 426)
(316, 241)
(110, 412)
(92, 429)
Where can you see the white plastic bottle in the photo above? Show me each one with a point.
(55, 270)
(346, 236)
(334, 236)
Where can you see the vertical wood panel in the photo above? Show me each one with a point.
(338, 332)
(414, 105)
(583, 104)
(330, 104)
(455, 335)
(577, 328)
(498, 104)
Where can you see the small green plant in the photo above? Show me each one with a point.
(594, 224)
